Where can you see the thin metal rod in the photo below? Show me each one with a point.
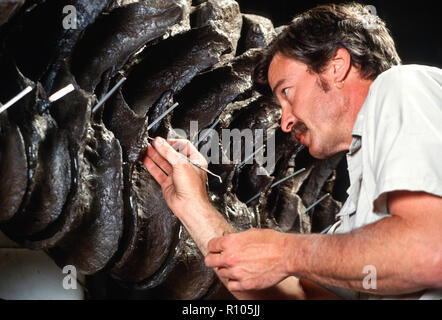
(300, 148)
(288, 177)
(162, 116)
(311, 207)
(256, 196)
(16, 98)
(108, 95)
(250, 157)
(208, 131)
(327, 229)
(61, 93)
(277, 183)
(316, 202)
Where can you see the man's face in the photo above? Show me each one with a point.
(312, 109)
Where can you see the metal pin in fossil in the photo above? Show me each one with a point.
(108, 95)
(162, 116)
(299, 149)
(250, 157)
(288, 177)
(208, 132)
(327, 229)
(61, 93)
(16, 98)
(54, 97)
(317, 202)
(277, 183)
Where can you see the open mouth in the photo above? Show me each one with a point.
(299, 131)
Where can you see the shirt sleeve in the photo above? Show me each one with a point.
(403, 130)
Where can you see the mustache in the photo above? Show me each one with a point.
(298, 128)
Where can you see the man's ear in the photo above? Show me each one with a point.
(340, 65)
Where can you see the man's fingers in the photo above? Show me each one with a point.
(167, 152)
(215, 245)
(226, 273)
(214, 260)
(175, 151)
(155, 171)
(186, 148)
(182, 146)
(234, 285)
(159, 160)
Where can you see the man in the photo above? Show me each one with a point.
(340, 87)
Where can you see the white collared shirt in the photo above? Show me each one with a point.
(397, 145)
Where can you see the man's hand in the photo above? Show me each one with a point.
(184, 189)
(183, 184)
(250, 260)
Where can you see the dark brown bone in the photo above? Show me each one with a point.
(73, 116)
(225, 14)
(190, 278)
(171, 64)
(13, 168)
(8, 9)
(150, 227)
(48, 164)
(94, 243)
(208, 94)
(257, 32)
(129, 128)
(40, 31)
(113, 38)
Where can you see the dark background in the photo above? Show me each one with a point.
(415, 25)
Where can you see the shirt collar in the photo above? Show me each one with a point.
(357, 132)
(357, 128)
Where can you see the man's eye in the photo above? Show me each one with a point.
(285, 92)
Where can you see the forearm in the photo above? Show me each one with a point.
(183, 189)
(204, 222)
(390, 245)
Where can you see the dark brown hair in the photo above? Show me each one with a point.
(313, 37)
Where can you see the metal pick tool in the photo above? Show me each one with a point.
(201, 167)
(276, 183)
(16, 98)
(196, 164)
(108, 95)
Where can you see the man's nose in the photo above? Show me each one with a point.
(288, 120)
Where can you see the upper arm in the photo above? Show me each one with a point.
(403, 134)
(418, 208)
(404, 137)
(421, 213)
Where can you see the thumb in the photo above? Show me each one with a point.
(168, 152)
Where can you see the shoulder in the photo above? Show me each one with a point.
(407, 87)
(401, 78)
(410, 71)
(401, 131)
